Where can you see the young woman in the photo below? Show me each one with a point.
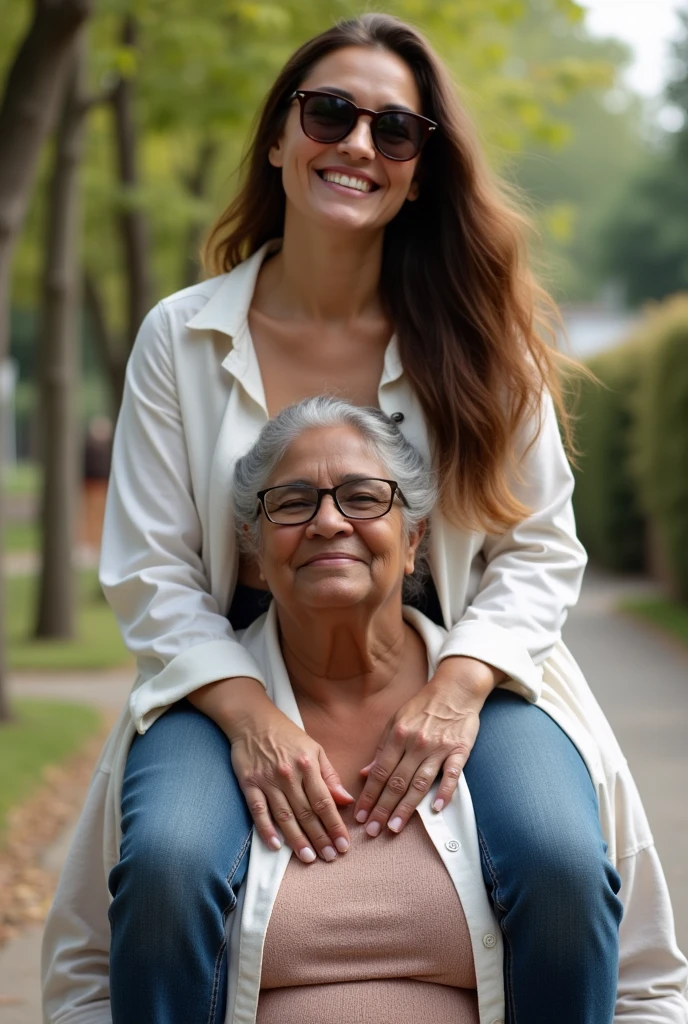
(369, 253)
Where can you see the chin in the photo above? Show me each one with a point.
(333, 594)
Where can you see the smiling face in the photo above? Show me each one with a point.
(348, 184)
(334, 562)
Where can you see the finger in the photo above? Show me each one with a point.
(258, 807)
(333, 782)
(286, 819)
(308, 768)
(407, 785)
(451, 772)
(384, 764)
(322, 803)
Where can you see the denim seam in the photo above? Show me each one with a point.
(225, 913)
(508, 959)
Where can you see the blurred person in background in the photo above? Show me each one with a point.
(371, 253)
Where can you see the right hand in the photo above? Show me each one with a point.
(285, 776)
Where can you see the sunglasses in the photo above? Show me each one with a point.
(397, 134)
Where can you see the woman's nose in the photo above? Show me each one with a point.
(359, 141)
(328, 520)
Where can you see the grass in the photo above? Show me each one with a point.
(19, 537)
(671, 616)
(22, 479)
(43, 733)
(98, 644)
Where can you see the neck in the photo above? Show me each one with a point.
(342, 655)
(325, 275)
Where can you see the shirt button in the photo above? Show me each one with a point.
(453, 845)
(499, 1021)
(489, 940)
(397, 417)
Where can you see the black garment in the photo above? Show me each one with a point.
(249, 603)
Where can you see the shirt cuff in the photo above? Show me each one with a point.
(500, 648)
(199, 665)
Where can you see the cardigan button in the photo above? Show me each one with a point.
(397, 417)
(453, 845)
(489, 940)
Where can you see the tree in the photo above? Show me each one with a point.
(32, 89)
(644, 241)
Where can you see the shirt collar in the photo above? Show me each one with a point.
(227, 309)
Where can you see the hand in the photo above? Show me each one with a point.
(434, 731)
(284, 775)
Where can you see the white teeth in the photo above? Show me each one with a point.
(359, 184)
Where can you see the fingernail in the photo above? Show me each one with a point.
(307, 855)
(274, 843)
(438, 805)
(361, 817)
(374, 828)
(342, 844)
(329, 853)
(395, 824)
(346, 792)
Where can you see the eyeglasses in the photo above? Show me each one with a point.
(396, 134)
(295, 504)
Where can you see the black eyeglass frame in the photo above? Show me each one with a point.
(427, 126)
(332, 491)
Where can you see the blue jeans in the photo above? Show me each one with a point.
(185, 839)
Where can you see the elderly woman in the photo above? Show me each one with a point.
(333, 502)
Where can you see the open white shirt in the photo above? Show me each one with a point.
(652, 971)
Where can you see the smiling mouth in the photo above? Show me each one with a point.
(348, 181)
(333, 559)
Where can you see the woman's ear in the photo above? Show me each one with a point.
(415, 537)
(413, 192)
(275, 153)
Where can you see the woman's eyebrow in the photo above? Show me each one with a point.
(350, 96)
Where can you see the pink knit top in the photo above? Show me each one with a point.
(377, 936)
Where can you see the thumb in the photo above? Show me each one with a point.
(333, 782)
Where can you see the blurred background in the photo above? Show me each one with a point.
(121, 128)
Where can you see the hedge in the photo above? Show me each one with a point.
(609, 519)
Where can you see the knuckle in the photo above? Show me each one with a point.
(422, 741)
(421, 783)
(285, 770)
(397, 784)
(284, 815)
(257, 808)
(321, 806)
(305, 815)
(379, 773)
(400, 732)
(453, 772)
(304, 762)
(461, 750)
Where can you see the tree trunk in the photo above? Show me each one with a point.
(32, 89)
(111, 352)
(132, 220)
(197, 185)
(58, 370)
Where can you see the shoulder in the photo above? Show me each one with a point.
(176, 310)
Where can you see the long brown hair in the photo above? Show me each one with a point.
(473, 325)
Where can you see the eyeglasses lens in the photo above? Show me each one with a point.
(359, 499)
(396, 135)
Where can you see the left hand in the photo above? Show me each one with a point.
(434, 731)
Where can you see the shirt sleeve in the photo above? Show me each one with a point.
(533, 571)
(151, 570)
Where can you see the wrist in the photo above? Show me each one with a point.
(476, 679)
(234, 704)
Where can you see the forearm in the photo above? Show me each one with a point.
(469, 678)
(233, 704)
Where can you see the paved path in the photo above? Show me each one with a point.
(639, 677)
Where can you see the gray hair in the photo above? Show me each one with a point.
(401, 460)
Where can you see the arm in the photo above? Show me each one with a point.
(151, 569)
(155, 581)
(532, 576)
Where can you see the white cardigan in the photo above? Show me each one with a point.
(652, 971)
(193, 404)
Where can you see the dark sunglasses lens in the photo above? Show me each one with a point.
(327, 118)
(399, 136)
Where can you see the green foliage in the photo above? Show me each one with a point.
(661, 459)
(609, 520)
(98, 644)
(644, 241)
(42, 733)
